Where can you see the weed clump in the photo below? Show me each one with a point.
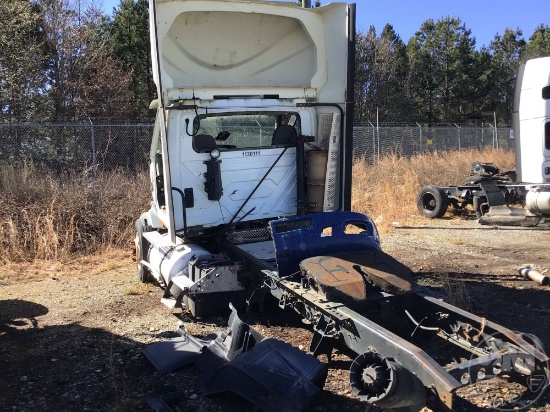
(46, 217)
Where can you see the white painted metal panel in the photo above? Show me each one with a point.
(275, 197)
(534, 113)
(217, 44)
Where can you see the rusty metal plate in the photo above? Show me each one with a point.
(351, 274)
(382, 270)
(335, 277)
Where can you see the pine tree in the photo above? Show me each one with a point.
(506, 51)
(539, 43)
(441, 56)
(129, 43)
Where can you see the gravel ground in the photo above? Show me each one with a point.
(71, 334)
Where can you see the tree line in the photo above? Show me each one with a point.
(66, 60)
(439, 76)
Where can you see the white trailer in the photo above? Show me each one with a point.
(531, 117)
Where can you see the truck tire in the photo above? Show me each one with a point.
(143, 272)
(432, 202)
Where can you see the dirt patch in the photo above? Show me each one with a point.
(71, 334)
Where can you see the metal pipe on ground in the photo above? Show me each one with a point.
(535, 276)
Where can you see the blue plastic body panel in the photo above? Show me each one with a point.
(301, 237)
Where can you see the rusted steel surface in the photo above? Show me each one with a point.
(381, 269)
(335, 277)
(351, 275)
(491, 328)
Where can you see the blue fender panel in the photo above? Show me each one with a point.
(301, 237)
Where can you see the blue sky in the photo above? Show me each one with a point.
(483, 17)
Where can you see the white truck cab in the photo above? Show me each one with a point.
(229, 74)
(254, 123)
(251, 172)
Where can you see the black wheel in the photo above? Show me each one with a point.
(432, 202)
(143, 272)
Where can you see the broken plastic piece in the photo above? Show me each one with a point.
(176, 353)
(163, 402)
(270, 373)
(273, 375)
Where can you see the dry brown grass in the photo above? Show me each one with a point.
(53, 218)
(106, 259)
(48, 218)
(387, 190)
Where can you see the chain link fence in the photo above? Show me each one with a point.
(371, 142)
(85, 148)
(78, 148)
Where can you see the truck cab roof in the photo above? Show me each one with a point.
(211, 49)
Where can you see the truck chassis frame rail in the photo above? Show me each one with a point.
(391, 323)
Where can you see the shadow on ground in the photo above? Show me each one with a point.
(66, 367)
(73, 368)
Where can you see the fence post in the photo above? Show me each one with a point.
(377, 136)
(373, 143)
(420, 128)
(493, 134)
(458, 127)
(496, 131)
(94, 161)
(260, 126)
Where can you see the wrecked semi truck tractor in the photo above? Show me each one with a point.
(251, 164)
(249, 92)
(511, 198)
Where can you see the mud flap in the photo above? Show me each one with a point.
(270, 373)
